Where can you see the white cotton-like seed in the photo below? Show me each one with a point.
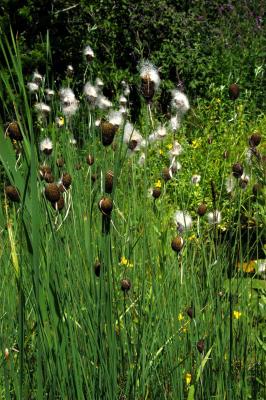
(150, 72)
(46, 144)
(182, 220)
(179, 103)
(214, 217)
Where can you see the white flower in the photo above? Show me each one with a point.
(122, 101)
(195, 179)
(103, 103)
(182, 220)
(230, 184)
(33, 87)
(99, 83)
(70, 109)
(261, 264)
(126, 91)
(42, 108)
(49, 94)
(115, 118)
(214, 217)
(179, 103)
(97, 122)
(159, 134)
(176, 150)
(37, 78)
(123, 111)
(175, 122)
(46, 146)
(90, 92)
(88, 53)
(69, 101)
(69, 70)
(149, 72)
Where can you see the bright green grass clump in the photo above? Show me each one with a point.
(95, 302)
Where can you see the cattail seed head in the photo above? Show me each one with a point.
(66, 180)
(255, 139)
(14, 131)
(177, 244)
(237, 169)
(202, 208)
(234, 91)
(59, 205)
(109, 178)
(156, 192)
(106, 205)
(125, 285)
(12, 193)
(90, 159)
(52, 192)
(201, 345)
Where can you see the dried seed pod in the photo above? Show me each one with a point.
(191, 312)
(14, 131)
(177, 244)
(255, 139)
(237, 169)
(125, 285)
(234, 91)
(60, 162)
(109, 178)
(106, 205)
(52, 192)
(156, 192)
(90, 159)
(108, 131)
(59, 205)
(202, 208)
(49, 178)
(66, 180)
(167, 174)
(97, 268)
(12, 193)
(201, 345)
(132, 144)
(43, 170)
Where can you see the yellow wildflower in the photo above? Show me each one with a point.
(218, 100)
(161, 152)
(237, 314)
(192, 237)
(169, 146)
(158, 184)
(180, 317)
(124, 261)
(188, 378)
(195, 143)
(247, 266)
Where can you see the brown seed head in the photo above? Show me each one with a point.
(108, 131)
(44, 169)
(147, 88)
(191, 312)
(14, 131)
(234, 91)
(201, 345)
(49, 178)
(255, 139)
(109, 178)
(60, 162)
(156, 192)
(59, 205)
(66, 180)
(166, 174)
(12, 193)
(177, 244)
(97, 268)
(132, 144)
(257, 189)
(202, 208)
(106, 205)
(237, 169)
(125, 285)
(52, 192)
(90, 159)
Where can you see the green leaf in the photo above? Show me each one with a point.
(202, 365)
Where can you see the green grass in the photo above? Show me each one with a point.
(73, 335)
